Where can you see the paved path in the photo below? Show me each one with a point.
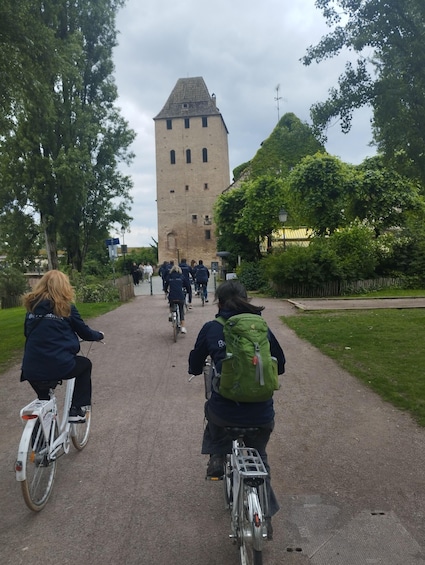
(347, 467)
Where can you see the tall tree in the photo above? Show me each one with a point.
(69, 138)
(389, 73)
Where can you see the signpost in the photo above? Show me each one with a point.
(112, 245)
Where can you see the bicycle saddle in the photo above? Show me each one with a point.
(236, 432)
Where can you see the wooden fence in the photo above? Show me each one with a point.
(125, 287)
(337, 288)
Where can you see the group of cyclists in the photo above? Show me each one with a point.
(53, 324)
(177, 283)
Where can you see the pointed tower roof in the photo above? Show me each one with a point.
(189, 98)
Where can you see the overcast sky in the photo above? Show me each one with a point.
(243, 49)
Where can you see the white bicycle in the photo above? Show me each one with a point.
(245, 493)
(44, 439)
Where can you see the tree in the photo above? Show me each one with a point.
(382, 197)
(317, 192)
(389, 73)
(264, 197)
(227, 210)
(69, 138)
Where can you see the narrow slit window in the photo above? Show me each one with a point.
(187, 123)
(205, 155)
(204, 122)
(207, 234)
(169, 124)
(172, 157)
(188, 156)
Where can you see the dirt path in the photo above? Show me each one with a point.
(347, 467)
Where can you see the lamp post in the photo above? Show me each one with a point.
(283, 216)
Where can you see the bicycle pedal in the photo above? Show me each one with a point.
(214, 478)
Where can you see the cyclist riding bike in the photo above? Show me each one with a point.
(221, 412)
(174, 286)
(52, 327)
(202, 275)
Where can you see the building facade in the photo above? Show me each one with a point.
(192, 170)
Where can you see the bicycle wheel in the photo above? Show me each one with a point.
(80, 432)
(251, 528)
(228, 483)
(38, 469)
(174, 315)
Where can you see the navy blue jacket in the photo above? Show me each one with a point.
(52, 342)
(186, 271)
(202, 274)
(174, 285)
(210, 341)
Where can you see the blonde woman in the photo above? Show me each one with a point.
(52, 328)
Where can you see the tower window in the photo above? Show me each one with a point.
(187, 123)
(204, 122)
(186, 187)
(169, 124)
(207, 234)
(188, 156)
(205, 155)
(194, 218)
(172, 157)
(206, 186)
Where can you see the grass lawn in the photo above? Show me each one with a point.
(12, 329)
(383, 348)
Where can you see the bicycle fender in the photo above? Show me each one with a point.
(26, 436)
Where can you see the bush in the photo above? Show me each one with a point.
(252, 276)
(97, 292)
(12, 285)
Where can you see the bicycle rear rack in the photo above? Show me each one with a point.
(249, 462)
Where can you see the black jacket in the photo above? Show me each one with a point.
(52, 342)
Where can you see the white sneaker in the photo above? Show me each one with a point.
(183, 330)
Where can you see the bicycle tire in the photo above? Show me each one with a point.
(80, 433)
(251, 538)
(38, 469)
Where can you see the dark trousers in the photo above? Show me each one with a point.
(217, 441)
(83, 387)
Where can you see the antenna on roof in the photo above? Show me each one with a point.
(277, 98)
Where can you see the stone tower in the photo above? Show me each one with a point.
(192, 170)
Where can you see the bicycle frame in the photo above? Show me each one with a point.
(46, 411)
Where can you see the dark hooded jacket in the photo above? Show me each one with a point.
(210, 341)
(52, 342)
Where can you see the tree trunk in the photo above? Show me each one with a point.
(51, 249)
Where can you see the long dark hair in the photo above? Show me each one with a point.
(232, 295)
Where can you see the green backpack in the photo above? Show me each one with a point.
(249, 372)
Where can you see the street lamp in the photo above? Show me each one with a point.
(283, 216)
